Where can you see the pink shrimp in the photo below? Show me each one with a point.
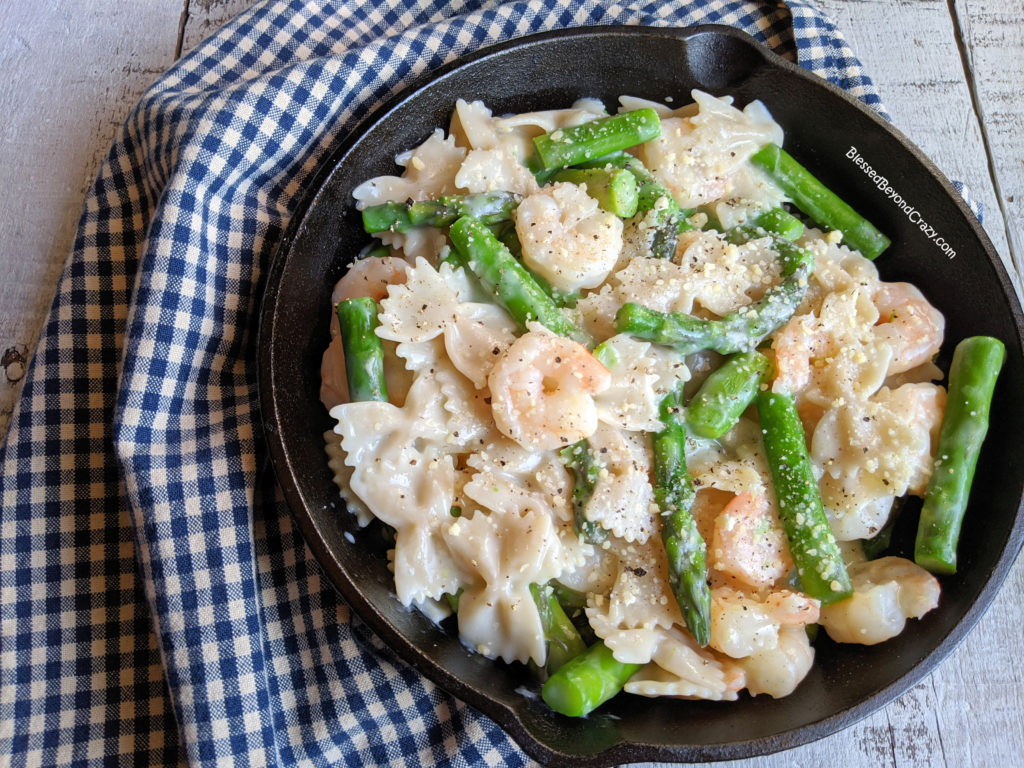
(911, 325)
(794, 345)
(748, 542)
(743, 624)
(542, 391)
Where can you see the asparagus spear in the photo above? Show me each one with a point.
(726, 393)
(674, 493)
(877, 545)
(589, 141)
(774, 221)
(580, 462)
(615, 189)
(489, 207)
(453, 258)
(657, 212)
(739, 331)
(453, 599)
(563, 641)
(819, 202)
(508, 281)
(976, 363)
(586, 682)
(571, 600)
(393, 216)
(819, 563)
(364, 354)
(606, 355)
(574, 604)
(780, 222)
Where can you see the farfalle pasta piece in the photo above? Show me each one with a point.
(429, 171)
(468, 424)
(623, 499)
(656, 283)
(891, 436)
(494, 161)
(403, 475)
(475, 127)
(642, 375)
(343, 478)
(681, 669)
(419, 309)
(434, 302)
(511, 479)
(640, 597)
(475, 338)
(749, 193)
(503, 553)
(721, 276)
(696, 156)
(494, 170)
(428, 243)
(836, 268)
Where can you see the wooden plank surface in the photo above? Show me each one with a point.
(69, 73)
(70, 70)
(992, 39)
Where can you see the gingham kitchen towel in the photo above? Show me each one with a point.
(158, 605)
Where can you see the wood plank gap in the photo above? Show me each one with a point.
(892, 738)
(972, 89)
(182, 22)
(938, 725)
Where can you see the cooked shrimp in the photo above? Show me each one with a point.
(742, 624)
(366, 277)
(794, 345)
(370, 277)
(707, 505)
(333, 375)
(542, 390)
(911, 325)
(778, 671)
(886, 592)
(567, 239)
(749, 543)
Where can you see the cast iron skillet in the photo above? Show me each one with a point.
(822, 124)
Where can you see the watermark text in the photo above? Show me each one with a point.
(912, 214)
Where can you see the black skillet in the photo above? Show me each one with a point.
(822, 126)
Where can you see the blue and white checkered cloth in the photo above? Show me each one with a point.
(158, 605)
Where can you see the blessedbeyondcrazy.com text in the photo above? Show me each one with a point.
(902, 203)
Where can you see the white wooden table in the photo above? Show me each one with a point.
(949, 72)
